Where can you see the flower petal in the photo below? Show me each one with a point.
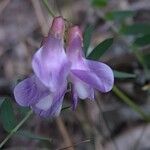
(74, 49)
(30, 91)
(104, 73)
(50, 60)
(51, 105)
(100, 76)
(48, 107)
(83, 91)
(45, 103)
(80, 89)
(95, 74)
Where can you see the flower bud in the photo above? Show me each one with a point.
(57, 28)
(74, 33)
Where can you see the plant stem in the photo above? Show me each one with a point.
(16, 128)
(106, 125)
(130, 102)
(45, 2)
(140, 59)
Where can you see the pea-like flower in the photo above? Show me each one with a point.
(45, 90)
(86, 75)
(52, 66)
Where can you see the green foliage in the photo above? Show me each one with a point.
(146, 58)
(64, 108)
(16, 128)
(7, 115)
(122, 75)
(87, 38)
(33, 136)
(100, 49)
(143, 40)
(23, 110)
(136, 29)
(119, 15)
(1, 102)
(99, 3)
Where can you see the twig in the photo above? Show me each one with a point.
(45, 2)
(105, 123)
(136, 144)
(16, 128)
(76, 144)
(130, 102)
(58, 8)
(3, 5)
(40, 16)
(64, 132)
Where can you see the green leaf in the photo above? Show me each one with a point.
(99, 3)
(87, 38)
(119, 15)
(28, 134)
(122, 75)
(135, 29)
(146, 58)
(100, 49)
(143, 40)
(1, 102)
(7, 115)
(64, 108)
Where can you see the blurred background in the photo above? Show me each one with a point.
(118, 120)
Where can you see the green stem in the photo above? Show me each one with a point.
(45, 2)
(16, 128)
(140, 58)
(130, 102)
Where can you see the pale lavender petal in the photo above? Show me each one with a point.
(104, 72)
(49, 62)
(30, 91)
(100, 76)
(51, 105)
(52, 109)
(81, 90)
(74, 42)
(74, 49)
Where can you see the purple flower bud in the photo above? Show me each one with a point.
(57, 28)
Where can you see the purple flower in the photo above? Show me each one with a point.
(86, 74)
(45, 90)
